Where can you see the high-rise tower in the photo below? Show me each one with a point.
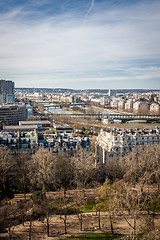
(6, 92)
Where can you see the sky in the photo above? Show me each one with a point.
(80, 44)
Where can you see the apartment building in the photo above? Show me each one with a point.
(117, 142)
(18, 137)
(141, 107)
(6, 92)
(29, 136)
(129, 105)
(12, 114)
(155, 108)
(121, 104)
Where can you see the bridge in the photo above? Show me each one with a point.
(126, 118)
(52, 106)
(122, 117)
(79, 104)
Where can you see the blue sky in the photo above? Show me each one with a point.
(80, 43)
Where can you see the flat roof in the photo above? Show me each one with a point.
(11, 106)
(62, 126)
(28, 127)
(34, 122)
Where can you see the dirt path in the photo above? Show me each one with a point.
(90, 225)
(57, 227)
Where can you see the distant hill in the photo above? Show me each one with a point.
(64, 90)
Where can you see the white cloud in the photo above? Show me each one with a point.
(62, 47)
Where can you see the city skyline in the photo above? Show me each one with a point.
(80, 44)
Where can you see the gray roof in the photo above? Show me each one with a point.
(34, 122)
(16, 128)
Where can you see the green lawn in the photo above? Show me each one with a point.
(90, 206)
(103, 236)
(152, 206)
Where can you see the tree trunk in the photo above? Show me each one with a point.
(64, 193)
(43, 191)
(30, 230)
(48, 224)
(65, 224)
(99, 219)
(111, 222)
(81, 222)
(135, 229)
(9, 232)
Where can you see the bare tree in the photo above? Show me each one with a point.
(130, 199)
(23, 162)
(63, 172)
(64, 218)
(80, 200)
(84, 171)
(143, 165)
(6, 169)
(143, 168)
(133, 194)
(44, 208)
(115, 168)
(41, 171)
(8, 219)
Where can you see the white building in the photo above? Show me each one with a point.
(105, 100)
(121, 104)
(129, 105)
(142, 107)
(155, 108)
(117, 142)
(114, 102)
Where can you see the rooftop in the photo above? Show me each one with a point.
(134, 131)
(15, 128)
(34, 122)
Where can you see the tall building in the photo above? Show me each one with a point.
(6, 92)
(12, 114)
(111, 92)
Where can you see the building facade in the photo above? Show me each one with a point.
(28, 138)
(155, 108)
(118, 142)
(6, 92)
(111, 92)
(12, 114)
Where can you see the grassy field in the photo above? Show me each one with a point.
(90, 206)
(103, 236)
